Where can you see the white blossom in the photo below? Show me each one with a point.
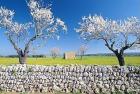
(6, 21)
(45, 26)
(120, 32)
(44, 19)
(55, 52)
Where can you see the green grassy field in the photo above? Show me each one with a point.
(87, 60)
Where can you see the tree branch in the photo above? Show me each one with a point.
(112, 44)
(107, 45)
(127, 46)
(27, 45)
(14, 44)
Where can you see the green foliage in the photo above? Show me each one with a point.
(117, 92)
(132, 92)
(67, 93)
(23, 93)
(30, 69)
(1, 90)
(13, 72)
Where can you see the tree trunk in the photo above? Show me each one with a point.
(120, 58)
(22, 59)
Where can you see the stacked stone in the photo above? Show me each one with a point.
(89, 79)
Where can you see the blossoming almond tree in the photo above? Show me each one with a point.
(118, 36)
(55, 52)
(44, 26)
(82, 50)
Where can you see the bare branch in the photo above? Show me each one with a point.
(127, 46)
(14, 44)
(27, 45)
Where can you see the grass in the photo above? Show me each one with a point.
(87, 60)
(35, 93)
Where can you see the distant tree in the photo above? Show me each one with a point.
(55, 52)
(118, 36)
(82, 50)
(44, 25)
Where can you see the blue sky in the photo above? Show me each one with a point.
(71, 12)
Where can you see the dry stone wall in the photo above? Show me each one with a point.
(72, 78)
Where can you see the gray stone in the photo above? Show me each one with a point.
(97, 91)
(106, 86)
(74, 78)
(122, 87)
